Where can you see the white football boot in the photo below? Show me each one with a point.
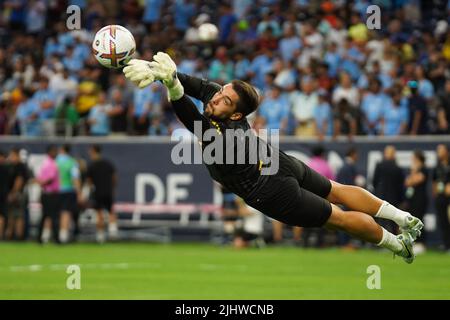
(407, 252)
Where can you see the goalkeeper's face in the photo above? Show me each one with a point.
(223, 105)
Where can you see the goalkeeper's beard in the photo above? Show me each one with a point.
(211, 116)
(209, 113)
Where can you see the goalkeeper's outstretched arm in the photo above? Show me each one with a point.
(188, 114)
(162, 68)
(201, 89)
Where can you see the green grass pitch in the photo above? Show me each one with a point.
(204, 271)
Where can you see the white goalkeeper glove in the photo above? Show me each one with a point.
(139, 72)
(163, 68)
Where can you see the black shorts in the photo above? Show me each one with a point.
(69, 202)
(296, 195)
(103, 202)
(51, 205)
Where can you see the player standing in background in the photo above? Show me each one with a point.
(102, 177)
(48, 178)
(295, 194)
(70, 190)
(16, 197)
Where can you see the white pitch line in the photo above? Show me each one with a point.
(120, 265)
(60, 267)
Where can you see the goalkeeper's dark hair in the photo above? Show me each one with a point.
(248, 97)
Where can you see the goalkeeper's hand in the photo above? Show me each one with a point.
(139, 72)
(142, 73)
(164, 68)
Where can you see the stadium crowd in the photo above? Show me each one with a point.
(320, 70)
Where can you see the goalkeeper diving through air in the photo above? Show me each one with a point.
(295, 194)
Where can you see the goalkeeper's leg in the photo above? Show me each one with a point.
(359, 199)
(364, 227)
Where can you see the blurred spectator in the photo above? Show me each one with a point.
(45, 100)
(102, 177)
(303, 103)
(441, 192)
(35, 16)
(286, 75)
(444, 109)
(98, 117)
(312, 42)
(260, 66)
(275, 110)
(117, 112)
(345, 120)
(241, 8)
(426, 88)
(63, 86)
(372, 106)
(221, 69)
(152, 11)
(27, 116)
(395, 115)
(140, 111)
(437, 71)
(416, 194)
(324, 81)
(71, 61)
(188, 64)
(183, 11)
(337, 34)
(290, 44)
(267, 40)
(346, 90)
(269, 22)
(358, 30)
(246, 33)
(418, 112)
(241, 65)
(157, 127)
(375, 73)
(88, 91)
(17, 14)
(226, 21)
(352, 57)
(292, 21)
(388, 182)
(323, 116)
(66, 117)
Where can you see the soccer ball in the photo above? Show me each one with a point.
(208, 32)
(113, 46)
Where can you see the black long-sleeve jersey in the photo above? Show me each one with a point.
(243, 179)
